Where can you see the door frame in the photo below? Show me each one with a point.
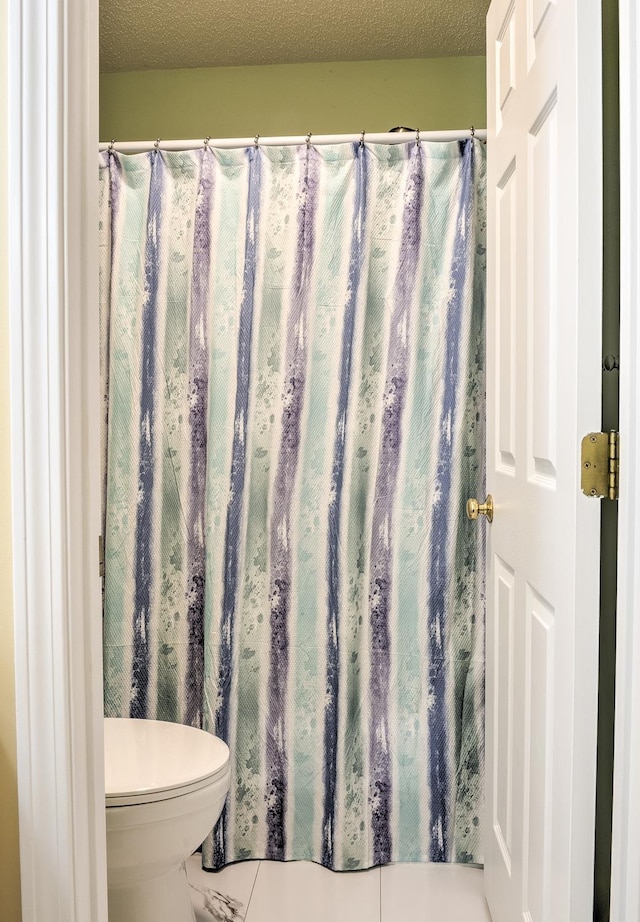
(625, 883)
(55, 463)
(53, 217)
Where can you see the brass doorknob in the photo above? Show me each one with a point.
(474, 508)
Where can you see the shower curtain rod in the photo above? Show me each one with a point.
(389, 137)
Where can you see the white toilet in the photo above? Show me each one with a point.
(165, 787)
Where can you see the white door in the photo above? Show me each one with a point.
(544, 360)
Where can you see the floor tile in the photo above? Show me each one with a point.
(433, 893)
(299, 891)
(221, 896)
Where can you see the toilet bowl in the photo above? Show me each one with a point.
(165, 787)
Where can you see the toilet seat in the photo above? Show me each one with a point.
(147, 761)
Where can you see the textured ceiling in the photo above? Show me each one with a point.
(163, 34)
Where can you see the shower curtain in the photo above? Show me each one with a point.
(292, 346)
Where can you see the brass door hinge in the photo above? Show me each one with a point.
(600, 464)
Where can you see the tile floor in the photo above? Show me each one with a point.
(299, 891)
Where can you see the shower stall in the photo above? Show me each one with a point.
(294, 384)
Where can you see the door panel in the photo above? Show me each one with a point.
(505, 368)
(502, 704)
(542, 301)
(539, 738)
(543, 350)
(506, 58)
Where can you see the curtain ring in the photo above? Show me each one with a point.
(255, 141)
(206, 142)
(156, 145)
(111, 145)
(417, 135)
(473, 132)
(308, 140)
(362, 138)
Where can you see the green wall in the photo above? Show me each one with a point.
(293, 99)
(610, 420)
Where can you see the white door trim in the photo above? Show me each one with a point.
(625, 882)
(53, 297)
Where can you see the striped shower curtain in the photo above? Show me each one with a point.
(292, 346)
